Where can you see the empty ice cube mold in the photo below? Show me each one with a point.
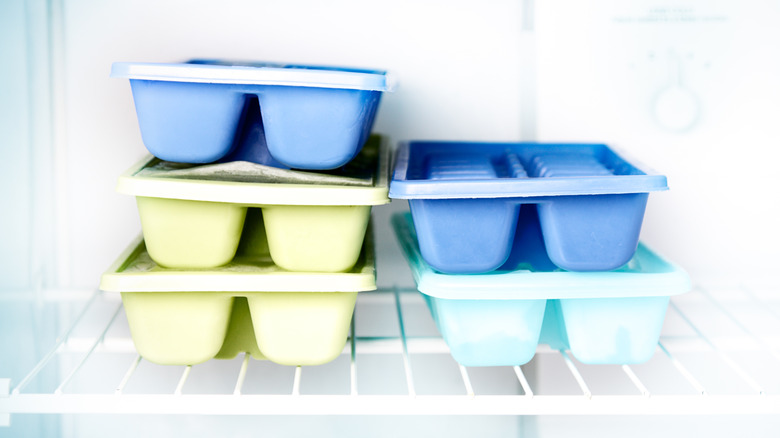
(194, 216)
(465, 199)
(305, 117)
(249, 305)
(499, 318)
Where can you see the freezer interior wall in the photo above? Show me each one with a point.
(689, 88)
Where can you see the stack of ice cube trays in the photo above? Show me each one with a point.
(516, 244)
(255, 207)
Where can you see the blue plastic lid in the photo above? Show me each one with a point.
(255, 73)
(646, 275)
(446, 170)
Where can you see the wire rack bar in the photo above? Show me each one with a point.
(89, 352)
(247, 404)
(746, 377)
(241, 375)
(523, 381)
(635, 380)
(405, 351)
(464, 374)
(352, 402)
(353, 390)
(296, 389)
(769, 348)
(576, 373)
(184, 376)
(683, 371)
(57, 344)
(761, 304)
(128, 374)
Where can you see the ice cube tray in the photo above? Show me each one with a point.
(465, 199)
(498, 319)
(305, 117)
(250, 305)
(194, 216)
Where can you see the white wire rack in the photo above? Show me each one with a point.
(719, 354)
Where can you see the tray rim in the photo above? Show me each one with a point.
(403, 188)
(361, 278)
(274, 75)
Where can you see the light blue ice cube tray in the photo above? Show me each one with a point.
(204, 111)
(498, 319)
(465, 199)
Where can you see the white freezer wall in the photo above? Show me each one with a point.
(690, 88)
(464, 71)
(23, 186)
(13, 123)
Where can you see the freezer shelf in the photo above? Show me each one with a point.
(718, 354)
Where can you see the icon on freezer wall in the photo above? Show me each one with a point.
(676, 108)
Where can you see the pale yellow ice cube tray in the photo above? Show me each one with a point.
(193, 216)
(185, 317)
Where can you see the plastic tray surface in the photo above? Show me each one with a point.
(465, 199)
(297, 116)
(499, 318)
(195, 216)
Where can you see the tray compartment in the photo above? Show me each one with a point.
(315, 238)
(187, 122)
(465, 236)
(300, 328)
(177, 328)
(316, 125)
(488, 333)
(190, 234)
(593, 233)
(613, 330)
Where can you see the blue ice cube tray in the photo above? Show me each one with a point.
(465, 199)
(498, 319)
(294, 116)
